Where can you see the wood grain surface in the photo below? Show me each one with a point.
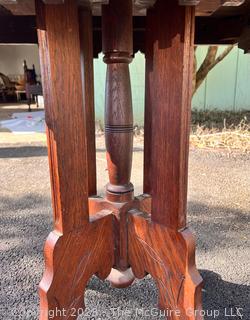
(86, 53)
(58, 33)
(169, 256)
(92, 235)
(169, 63)
(78, 247)
(71, 259)
(117, 48)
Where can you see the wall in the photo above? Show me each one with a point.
(12, 56)
(227, 85)
(225, 88)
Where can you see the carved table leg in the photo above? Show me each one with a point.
(160, 243)
(78, 247)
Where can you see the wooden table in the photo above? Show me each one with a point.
(120, 236)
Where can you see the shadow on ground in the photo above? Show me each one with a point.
(218, 227)
(36, 151)
(23, 152)
(26, 221)
(221, 299)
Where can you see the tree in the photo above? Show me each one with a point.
(210, 61)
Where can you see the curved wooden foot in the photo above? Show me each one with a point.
(168, 255)
(71, 259)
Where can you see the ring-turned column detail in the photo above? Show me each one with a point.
(118, 50)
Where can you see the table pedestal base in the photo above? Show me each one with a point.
(118, 237)
(119, 243)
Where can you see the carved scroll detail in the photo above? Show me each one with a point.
(71, 260)
(166, 274)
(169, 257)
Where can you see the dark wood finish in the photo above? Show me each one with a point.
(169, 63)
(53, 1)
(86, 47)
(244, 41)
(224, 30)
(29, 74)
(30, 84)
(4, 11)
(117, 49)
(169, 256)
(78, 247)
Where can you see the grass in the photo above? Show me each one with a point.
(226, 130)
(223, 130)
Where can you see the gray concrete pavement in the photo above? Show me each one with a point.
(219, 202)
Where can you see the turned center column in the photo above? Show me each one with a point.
(117, 46)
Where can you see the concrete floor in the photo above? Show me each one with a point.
(218, 206)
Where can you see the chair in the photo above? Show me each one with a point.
(8, 87)
(32, 87)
